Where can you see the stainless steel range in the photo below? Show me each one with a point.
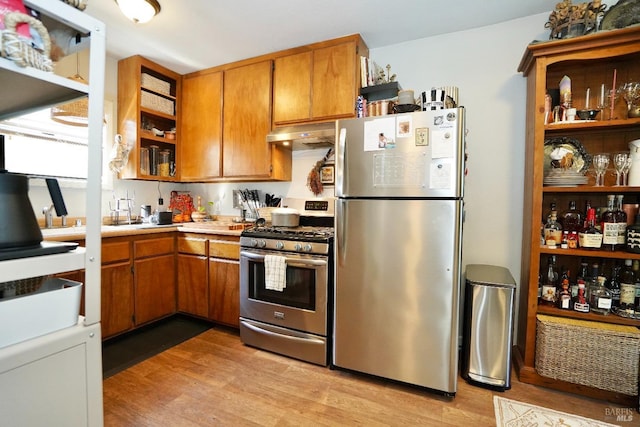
(292, 319)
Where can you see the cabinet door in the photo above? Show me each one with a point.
(117, 299)
(247, 120)
(224, 291)
(155, 290)
(202, 128)
(292, 88)
(334, 81)
(193, 286)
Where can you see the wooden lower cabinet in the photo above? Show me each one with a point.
(193, 289)
(224, 291)
(209, 276)
(117, 308)
(154, 278)
(155, 289)
(117, 299)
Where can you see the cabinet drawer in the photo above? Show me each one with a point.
(191, 245)
(224, 249)
(115, 251)
(153, 247)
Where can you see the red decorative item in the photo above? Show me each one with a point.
(7, 6)
(181, 204)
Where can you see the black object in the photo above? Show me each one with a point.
(165, 217)
(18, 224)
(126, 350)
(56, 196)
(43, 248)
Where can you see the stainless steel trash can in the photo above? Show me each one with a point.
(488, 326)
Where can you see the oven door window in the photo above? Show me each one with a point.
(300, 290)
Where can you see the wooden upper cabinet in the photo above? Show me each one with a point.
(148, 98)
(247, 121)
(319, 83)
(334, 81)
(201, 152)
(292, 88)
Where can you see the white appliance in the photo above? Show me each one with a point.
(399, 214)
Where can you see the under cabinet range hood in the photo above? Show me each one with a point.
(304, 137)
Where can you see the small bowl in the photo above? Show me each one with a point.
(587, 114)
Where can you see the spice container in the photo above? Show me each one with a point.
(153, 159)
(144, 161)
(163, 163)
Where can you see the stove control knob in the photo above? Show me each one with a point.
(308, 247)
(254, 243)
(262, 243)
(279, 245)
(297, 247)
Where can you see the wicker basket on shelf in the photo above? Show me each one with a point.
(78, 4)
(594, 354)
(19, 50)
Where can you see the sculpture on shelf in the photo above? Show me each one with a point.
(572, 20)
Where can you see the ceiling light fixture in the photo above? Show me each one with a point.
(139, 11)
(75, 113)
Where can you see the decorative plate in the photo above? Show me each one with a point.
(565, 153)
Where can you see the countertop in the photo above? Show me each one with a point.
(78, 233)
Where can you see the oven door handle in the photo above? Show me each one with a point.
(279, 335)
(293, 262)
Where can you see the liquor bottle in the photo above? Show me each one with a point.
(550, 282)
(587, 206)
(572, 219)
(563, 299)
(636, 272)
(633, 236)
(609, 225)
(627, 289)
(590, 237)
(582, 277)
(621, 219)
(580, 301)
(614, 286)
(553, 231)
(599, 296)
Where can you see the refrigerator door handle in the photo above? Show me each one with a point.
(340, 153)
(341, 246)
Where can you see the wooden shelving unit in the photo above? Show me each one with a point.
(589, 61)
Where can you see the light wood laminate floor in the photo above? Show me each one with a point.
(215, 380)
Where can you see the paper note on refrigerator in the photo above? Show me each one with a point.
(443, 145)
(379, 134)
(440, 174)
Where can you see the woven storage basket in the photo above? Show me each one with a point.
(19, 50)
(593, 354)
(156, 102)
(155, 84)
(78, 4)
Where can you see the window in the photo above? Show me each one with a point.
(35, 145)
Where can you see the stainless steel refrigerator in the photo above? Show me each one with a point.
(399, 214)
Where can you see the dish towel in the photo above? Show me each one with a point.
(275, 272)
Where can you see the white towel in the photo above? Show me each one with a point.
(275, 272)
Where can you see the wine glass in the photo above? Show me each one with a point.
(625, 170)
(600, 164)
(619, 163)
(603, 100)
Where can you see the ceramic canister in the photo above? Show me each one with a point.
(634, 171)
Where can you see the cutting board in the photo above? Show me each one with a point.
(213, 225)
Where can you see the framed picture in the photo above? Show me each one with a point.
(327, 174)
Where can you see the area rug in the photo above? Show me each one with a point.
(510, 413)
(127, 350)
